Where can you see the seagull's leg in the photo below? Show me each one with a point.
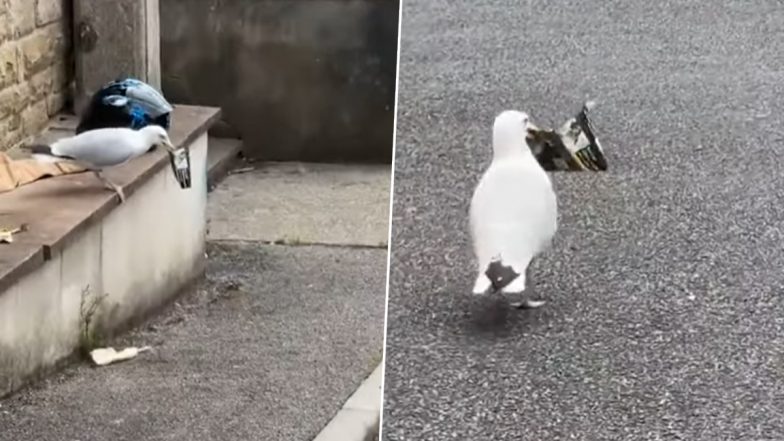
(117, 189)
(530, 299)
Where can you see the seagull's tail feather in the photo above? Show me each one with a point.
(504, 278)
(44, 153)
(516, 286)
(482, 284)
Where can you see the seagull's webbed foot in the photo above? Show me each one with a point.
(111, 185)
(531, 300)
(528, 304)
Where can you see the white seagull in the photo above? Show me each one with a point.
(101, 148)
(513, 214)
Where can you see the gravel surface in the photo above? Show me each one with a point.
(269, 347)
(666, 320)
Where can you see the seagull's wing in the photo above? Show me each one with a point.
(101, 147)
(513, 215)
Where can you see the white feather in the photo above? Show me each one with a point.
(106, 147)
(513, 213)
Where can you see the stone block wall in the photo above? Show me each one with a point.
(35, 66)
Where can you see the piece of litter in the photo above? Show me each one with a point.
(180, 160)
(104, 356)
(572, 147)
(242, 170)
(7, 234)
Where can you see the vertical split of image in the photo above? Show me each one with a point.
(194, 218)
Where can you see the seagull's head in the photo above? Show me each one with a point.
(158, 136)
(511, 131)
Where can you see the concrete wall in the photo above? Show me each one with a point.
(140, 255)
(298, 80)
(35, 68)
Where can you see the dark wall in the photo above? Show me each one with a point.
(309, 80)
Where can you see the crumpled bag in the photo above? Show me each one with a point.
(19, 172)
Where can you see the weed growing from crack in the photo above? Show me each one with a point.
(288, 241)
(89, 336)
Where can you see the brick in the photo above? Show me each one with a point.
(41, 84)
(42, 48)
(6, 24)
(47, 11)
(12, 100)
(35, 117)
(10, 132)
(22, 16)
(55, 102)
(9, 64)
(59, 75)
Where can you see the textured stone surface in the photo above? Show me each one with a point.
(47, 11)
(34, 48)
(23, 16)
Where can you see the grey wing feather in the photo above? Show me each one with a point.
(99, 147)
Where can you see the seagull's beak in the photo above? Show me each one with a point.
(169, 146)
(532, 132)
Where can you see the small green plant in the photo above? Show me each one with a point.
(89, 337)
(289, 241)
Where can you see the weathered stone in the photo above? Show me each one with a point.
(6, 23)
(59, 73)
(23, 16)
(41, 48)
(35, 117)
(47, 11)
(12, 100)
(10, 132)
(41, 84)
(55, 102)
(9, 67)
(34, 78)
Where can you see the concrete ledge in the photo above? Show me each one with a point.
(138, 254)
(358, 419)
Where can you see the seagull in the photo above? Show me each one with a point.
(101, 148)
(513, 212)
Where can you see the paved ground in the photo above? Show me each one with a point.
(267, 348)
(312, 203)
(666, 319)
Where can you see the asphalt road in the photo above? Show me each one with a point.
(666, 316)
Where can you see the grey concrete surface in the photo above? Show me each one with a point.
(269, 347)
(304, 203)
(665, 315)
(301, 81)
